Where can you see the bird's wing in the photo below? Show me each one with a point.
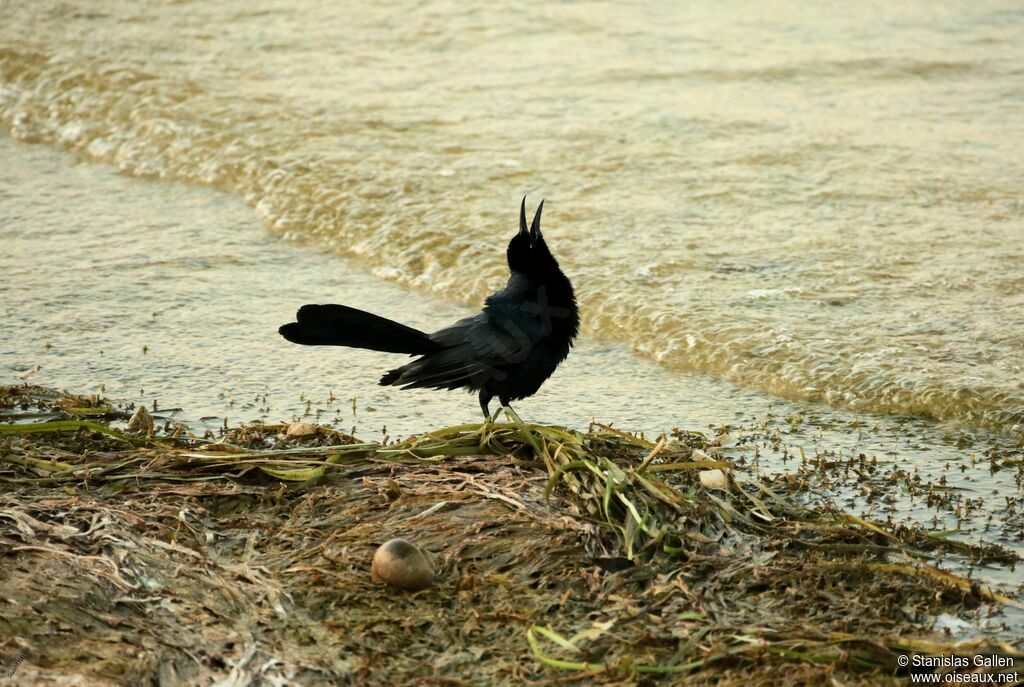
(505, 332)
(475, 349)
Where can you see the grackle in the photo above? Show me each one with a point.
(508, 350)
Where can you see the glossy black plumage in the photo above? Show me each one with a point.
(506, 351)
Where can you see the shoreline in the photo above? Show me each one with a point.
(162, 344)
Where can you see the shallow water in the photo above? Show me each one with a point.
(172, 292)
(818, 203)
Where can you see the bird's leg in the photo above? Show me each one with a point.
(485, 401)
(511, 413)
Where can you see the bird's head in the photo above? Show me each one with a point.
(527, 251)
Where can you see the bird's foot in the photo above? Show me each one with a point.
(512, 415)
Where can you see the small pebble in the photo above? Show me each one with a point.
(402, 565)
(301, 429)
(714, 479)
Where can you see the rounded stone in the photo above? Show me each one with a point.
(301, 429)
(714, 479)
(403, 565)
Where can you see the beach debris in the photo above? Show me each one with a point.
(141, 421)
(714, 479)
(403, 565)
(567, 550)
(301, 429)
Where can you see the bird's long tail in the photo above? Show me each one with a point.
(340, 325)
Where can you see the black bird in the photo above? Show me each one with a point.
(508, 350)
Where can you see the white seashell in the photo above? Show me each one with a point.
(301, 429)
(714, 479)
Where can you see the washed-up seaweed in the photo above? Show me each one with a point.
(594, 556)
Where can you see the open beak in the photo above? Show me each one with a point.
(522, 218)
(535, 227)
(534, 231)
